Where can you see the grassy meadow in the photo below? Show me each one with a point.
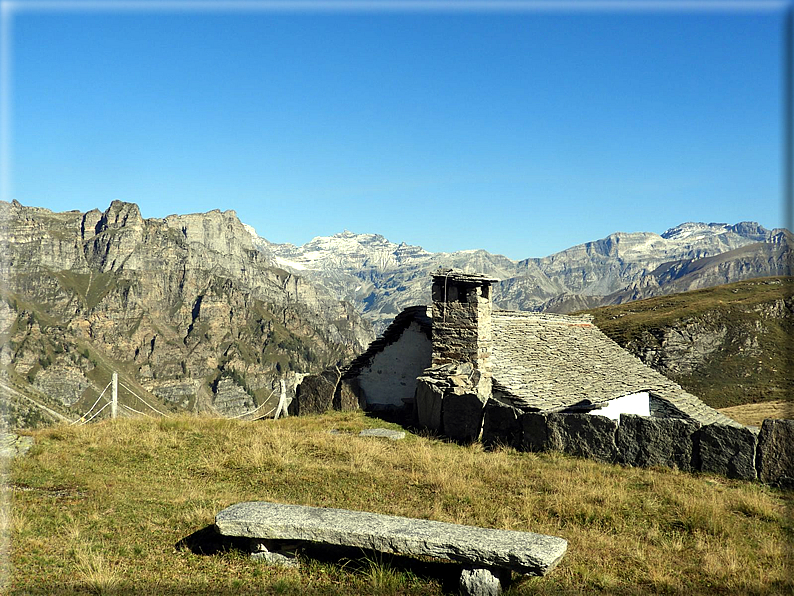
(755, 414)
(102, 509)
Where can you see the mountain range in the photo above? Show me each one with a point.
(198, 312)
(185, 310)
(380, 278)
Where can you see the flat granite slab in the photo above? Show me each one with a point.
(523, 552)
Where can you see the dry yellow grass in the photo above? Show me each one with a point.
(99, 509)
(755, 414)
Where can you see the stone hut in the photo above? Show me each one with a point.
(542, 382)
(462, 357)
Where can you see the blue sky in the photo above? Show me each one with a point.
(522, 129)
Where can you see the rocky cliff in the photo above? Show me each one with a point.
(185, 308)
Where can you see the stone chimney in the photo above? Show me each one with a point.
(462, 306)
(451, 394)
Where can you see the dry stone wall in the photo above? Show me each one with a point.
(775, 459)
(744, 453)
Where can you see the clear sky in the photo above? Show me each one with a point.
(520, 128)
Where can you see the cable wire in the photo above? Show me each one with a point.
(147, 404)
(262, 405)
(136, 411)
(82, 418)
(97, 414)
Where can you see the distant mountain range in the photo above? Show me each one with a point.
(380, 278)
(197, 312)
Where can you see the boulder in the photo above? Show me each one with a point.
(535, 433)
(429, 397)
(483, 582)
(501, 425)
(775, 456)
(348, 395)
(461, 416)
(315, 394)
(584, 435)
(645, 441)
(726, 450)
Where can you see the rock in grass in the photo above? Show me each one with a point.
(524, 552)
(775, 460)
(276, 559)
(483, 582)
(315, 394)
(394, 435)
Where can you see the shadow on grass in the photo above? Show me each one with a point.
(207, 541)
(406, 419)
(364, 561)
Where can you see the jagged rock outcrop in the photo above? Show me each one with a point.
(188, 311)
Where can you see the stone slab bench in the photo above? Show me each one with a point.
(475, 547)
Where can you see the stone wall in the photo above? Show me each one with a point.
(746, 453)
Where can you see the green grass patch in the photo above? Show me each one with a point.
(91, 287)
(100, 509)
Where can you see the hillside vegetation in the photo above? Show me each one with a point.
(107, 509)
(729, 345)
(185, 309)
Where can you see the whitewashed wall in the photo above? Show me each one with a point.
(634, 403)
(391, 376)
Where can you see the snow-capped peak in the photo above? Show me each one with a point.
(250, 230)
(695, 229)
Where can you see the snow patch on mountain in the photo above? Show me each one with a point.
(695, 231)
(381, 277)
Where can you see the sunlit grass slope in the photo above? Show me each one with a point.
(99, 509)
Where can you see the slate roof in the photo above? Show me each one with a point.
(548, 362)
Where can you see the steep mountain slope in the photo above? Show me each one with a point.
(381, 278)
(185, 308)
(730, 344)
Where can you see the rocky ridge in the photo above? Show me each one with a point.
(188, 311)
